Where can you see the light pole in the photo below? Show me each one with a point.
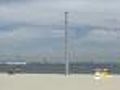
(66, 44)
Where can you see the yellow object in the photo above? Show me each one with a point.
(102, 74)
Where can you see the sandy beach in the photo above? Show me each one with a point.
(57, 82)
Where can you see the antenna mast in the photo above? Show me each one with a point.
(66, 44)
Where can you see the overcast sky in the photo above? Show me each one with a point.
(37, 26)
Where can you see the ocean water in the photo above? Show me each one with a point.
(58, 68)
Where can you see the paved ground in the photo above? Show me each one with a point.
(57, 82)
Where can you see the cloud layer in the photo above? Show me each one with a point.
(34, 27)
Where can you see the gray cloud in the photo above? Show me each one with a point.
(13, 1)
(31, 25)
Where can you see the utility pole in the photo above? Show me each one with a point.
(66, 44)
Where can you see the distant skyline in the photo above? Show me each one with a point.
(36, 27)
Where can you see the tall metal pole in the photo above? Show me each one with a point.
(66, 45)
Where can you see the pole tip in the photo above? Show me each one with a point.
(66, 12)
